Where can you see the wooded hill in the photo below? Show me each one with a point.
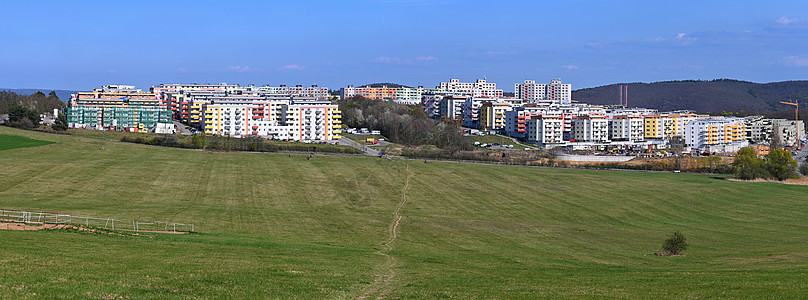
(36, 101)
(714, 96)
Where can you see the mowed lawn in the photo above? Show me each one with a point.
(14, 141)
(274, 226)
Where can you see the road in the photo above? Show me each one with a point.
(802, 154)
(181, 128)
(352, 143)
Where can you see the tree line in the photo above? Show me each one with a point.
(23, 111)
(402, 124)
(778, 165)
(38, 102)
(220, 143)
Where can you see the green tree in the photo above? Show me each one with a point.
(780, 164)
(60, 124)
(52, 95)
(748, 166)
(17, 113)
(675, 244)
(197, 141)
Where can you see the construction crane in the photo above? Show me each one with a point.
(796, 104)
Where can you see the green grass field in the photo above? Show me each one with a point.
(273, 226)
(13, 142)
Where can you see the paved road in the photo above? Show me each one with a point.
(181, 128)
(352, 143)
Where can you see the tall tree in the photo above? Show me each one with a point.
(748, 166)
(780, 164)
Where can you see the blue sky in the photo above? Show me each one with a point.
(86, 44)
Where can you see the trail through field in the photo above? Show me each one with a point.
(381, 285)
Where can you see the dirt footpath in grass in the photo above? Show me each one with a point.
(799, 181)
(23, 226)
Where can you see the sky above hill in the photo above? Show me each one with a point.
(85, 44)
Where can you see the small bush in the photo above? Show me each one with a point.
(675, 244)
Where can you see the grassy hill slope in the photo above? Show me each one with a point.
(271, 225)
(702, 96)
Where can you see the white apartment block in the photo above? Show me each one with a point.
(239, 120)
(716, 135)
(591, 129)
(451, 107)
(313, 121)
(554, 92)
(313, 91)
(480, 88)
(788, 130)
(545, 130)
(627, 128)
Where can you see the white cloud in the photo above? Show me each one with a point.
(795, 61)
(680, 38)
(571, 67)
(785, 21)
(181, 69)
(112, 71)
(408, 61)
(291, 67)
(386, 59)
(239, 68)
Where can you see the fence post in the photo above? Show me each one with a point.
(134, 224)
(113, 224)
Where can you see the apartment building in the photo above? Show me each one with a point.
(313, 121)
(471, 108)
(555, 92)
(760, 130)
(117, 107)
(297, 91)
(545, 130)
(451, 107)
(716, 134)
(516, 119)
(591, 129)
(479, 88)
(665, 126)
(431, 105)
(627, 128)
(492, 115)
(263, 119)
(384, 92)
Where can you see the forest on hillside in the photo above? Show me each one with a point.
(38, 101)
(718, 96)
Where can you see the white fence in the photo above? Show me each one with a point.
(108, 223)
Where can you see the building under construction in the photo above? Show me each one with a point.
(117, 107)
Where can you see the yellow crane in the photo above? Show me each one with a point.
(796, 104)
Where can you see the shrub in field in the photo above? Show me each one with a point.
(675, 244)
